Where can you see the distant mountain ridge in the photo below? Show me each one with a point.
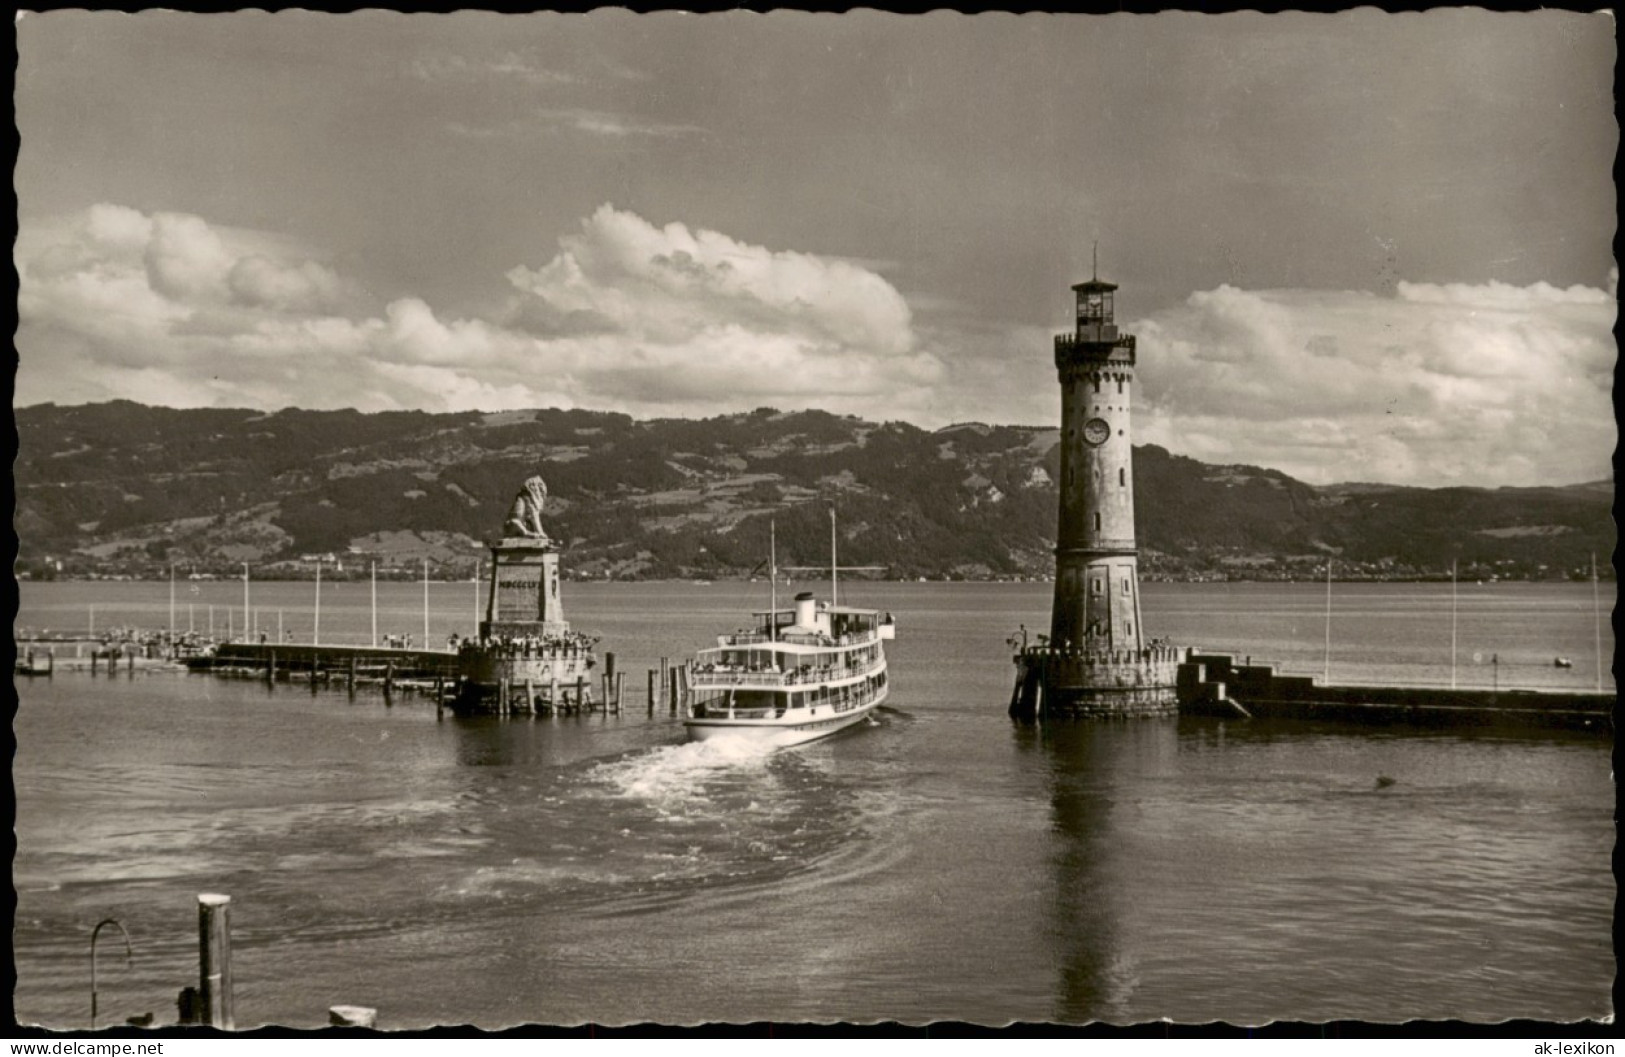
(125, 488)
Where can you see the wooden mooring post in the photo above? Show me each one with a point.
(389, 680)
(270, 668)
(350, 676)
(530, 696)
(651, 691)
(582, 701)
(620, 689)
(214, 960)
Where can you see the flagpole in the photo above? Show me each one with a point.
(773, 581)
(425, 603)
(172, 595)
(374, 605)
(1326, 675)
(316, 631)
(245, 599)
(1596, 617)
(1452, 623)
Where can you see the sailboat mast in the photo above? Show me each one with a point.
(773, 580)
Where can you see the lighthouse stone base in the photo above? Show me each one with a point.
(1099, 684)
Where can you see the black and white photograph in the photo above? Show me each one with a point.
(689, 520)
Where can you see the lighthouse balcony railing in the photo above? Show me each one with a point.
(1159, 652)
(1067, 346)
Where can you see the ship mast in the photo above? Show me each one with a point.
(773, 581)
(833, 597)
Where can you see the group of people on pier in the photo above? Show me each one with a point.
(125, 640)
(534, 645)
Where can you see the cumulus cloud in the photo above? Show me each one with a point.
(1439, 384)
(625, 316)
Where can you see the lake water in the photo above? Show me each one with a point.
(939, 863)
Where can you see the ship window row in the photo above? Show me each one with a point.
(770, 661)
(766, 704)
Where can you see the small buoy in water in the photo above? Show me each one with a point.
(1383, 781)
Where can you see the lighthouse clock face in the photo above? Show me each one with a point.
(1095, 431)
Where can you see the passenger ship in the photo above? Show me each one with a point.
(796, 675)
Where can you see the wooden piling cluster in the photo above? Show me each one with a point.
(669, 685)
(516, 698)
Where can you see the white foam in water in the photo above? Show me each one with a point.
(676, 774)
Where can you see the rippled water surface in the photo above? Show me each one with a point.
(935, 863)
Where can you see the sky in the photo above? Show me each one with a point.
(1353, 247)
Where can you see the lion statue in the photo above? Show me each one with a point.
(525, 516)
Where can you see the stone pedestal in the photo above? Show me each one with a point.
(526, 660)
(524, 590)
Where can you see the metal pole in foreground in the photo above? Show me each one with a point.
(214, 960)
(129, 959)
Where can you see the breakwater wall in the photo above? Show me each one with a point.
(1214, 684)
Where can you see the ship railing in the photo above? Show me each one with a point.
(713, 675)
(759, 638)
(718, 708)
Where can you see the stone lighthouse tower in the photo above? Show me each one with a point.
(1096, 661)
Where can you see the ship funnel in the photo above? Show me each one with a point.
(806, 610)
